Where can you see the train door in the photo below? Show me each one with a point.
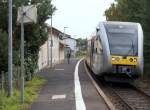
(88, 55)
(97, 55)
(94, 55)
(100, 58)
(92, 52)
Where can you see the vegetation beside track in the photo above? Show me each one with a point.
(81, 43)
(32, 89)
(80, 54)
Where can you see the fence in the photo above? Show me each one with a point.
(16, 78)
(4, 79)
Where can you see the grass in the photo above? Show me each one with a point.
(31, 92)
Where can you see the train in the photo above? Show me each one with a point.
(115, 51)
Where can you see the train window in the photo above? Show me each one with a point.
(122, 41)
(125, 31)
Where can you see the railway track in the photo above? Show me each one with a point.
(132, 97)
(121, 97)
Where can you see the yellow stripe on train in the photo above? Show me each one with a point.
(120, 60)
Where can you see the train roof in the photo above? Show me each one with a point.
(120, 23)
(135, 24)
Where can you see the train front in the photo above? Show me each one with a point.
(126, 49)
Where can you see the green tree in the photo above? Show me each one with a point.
(3, 52)
(112, 14)
(126, 10)
(82, 44)
(35, 34)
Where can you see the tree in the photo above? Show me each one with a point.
(112, 14)
(35, 34)
(82, 44)
(126, 10)
(3, 51)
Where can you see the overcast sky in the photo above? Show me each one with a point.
(80, 16)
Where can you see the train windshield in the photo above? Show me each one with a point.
(123, 39)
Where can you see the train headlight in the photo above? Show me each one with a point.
(131, 59)
(135, 60)
(117, 58)
(113, 59)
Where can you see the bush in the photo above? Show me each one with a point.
(31, 92)
(80, 54)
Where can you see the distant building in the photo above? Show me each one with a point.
(57, 49)
(71, 44)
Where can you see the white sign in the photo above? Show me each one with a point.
(29, 14)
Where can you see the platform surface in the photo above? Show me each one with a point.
(62, 92)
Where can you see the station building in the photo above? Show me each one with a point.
(71, 44)
(58, 48)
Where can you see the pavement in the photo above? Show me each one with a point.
(68, 88)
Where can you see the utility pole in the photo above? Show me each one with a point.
(48, 52)
(50, 57)
(10, 66)
(22, 54)
(64, 31)
(65, 41)
(51, 40)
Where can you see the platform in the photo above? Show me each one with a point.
(68, 88)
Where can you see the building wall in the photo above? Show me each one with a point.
(57, 53)
(61, 55)
(72, 44)
(42, 62)
(55, 50)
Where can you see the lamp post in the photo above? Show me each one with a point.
(10, 68)
(64, 31)
(22, 53)
(65, 41)
(51, 40)
(48, 54)
(50, 44)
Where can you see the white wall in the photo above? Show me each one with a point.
(62, 56)
(55, 50)
(57, 53)
(42, 62)
(71, 42)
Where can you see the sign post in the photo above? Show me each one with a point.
(22, 56)
(26, 14)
